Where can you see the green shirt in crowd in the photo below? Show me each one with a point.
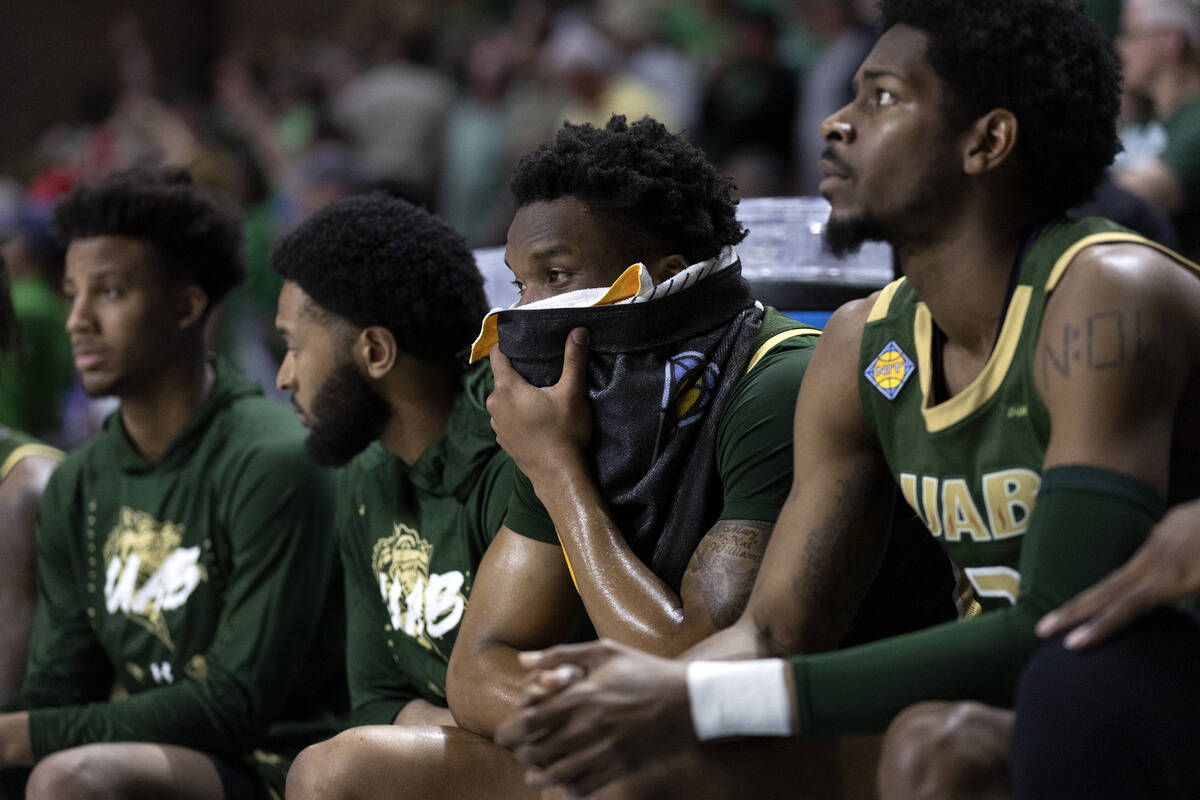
(410, 540)
(35, 377)
(1182, 157)
(204, 586)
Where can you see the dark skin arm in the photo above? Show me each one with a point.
(522, 599)
(832, 529)
(545, 431)
(831, 536)
(1167, 566)
(19, 496)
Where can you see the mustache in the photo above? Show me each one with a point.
(834, 160)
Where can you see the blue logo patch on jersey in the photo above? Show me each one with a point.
(890, 370)
(689, 385)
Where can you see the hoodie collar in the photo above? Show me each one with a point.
(228, 385)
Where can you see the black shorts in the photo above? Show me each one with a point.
(239, 781)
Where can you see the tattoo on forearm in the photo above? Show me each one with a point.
(1106, 340)
(725, 566)
(832, 575)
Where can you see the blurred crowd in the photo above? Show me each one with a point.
(433, 102)
(430, 101)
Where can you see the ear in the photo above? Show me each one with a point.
(194, 302)
(989, 141)
(666, 267)
(376, 351)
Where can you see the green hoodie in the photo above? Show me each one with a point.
(410, 539)
(204, 585)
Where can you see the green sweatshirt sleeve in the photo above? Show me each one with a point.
(379, 688)
(1087, 522)
(66, 663)
(278, 511)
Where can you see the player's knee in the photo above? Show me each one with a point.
(945, 750)
(77, 773)
(317, 773)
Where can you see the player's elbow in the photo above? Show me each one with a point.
(466, 676)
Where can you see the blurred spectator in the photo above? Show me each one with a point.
(750, 104)
(395, 113)
(478, 131)
(36, 375)
(847, 39)
(633, 26)
(1160, 52)
(587, 65)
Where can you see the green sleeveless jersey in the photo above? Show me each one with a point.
(15, 446)
(970, 466)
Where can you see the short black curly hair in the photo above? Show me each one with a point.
(640, 176)
(1045, 61)
(379, 260)
(191, 229)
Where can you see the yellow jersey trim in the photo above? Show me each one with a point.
(987, 382)
(776, 339)
(25, 451)
(884, 301)
(567, 558)
(1064, 260)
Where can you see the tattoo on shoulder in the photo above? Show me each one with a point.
(1104, 341)
(725, 566)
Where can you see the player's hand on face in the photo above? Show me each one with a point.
(630, 709)
(538, 427)
(1166, 568)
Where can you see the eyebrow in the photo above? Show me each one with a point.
(100, 274)
(551, 251)
(875, 74)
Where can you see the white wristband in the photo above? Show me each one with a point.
(739, 698)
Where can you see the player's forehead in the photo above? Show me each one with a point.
(108, 256)
(555, 229)
(901, 54)
(297, 311)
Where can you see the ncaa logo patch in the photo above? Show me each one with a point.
(890, 370)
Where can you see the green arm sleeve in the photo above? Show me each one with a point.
(279, 513)
(1087, 521)
(754, 438)
(66, 663)
(378, 685)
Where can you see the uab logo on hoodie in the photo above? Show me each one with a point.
(424, 605)
(148, 572)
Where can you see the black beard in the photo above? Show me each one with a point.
(845, 236)
(347, 415)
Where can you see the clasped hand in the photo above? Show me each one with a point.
(596, 712)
